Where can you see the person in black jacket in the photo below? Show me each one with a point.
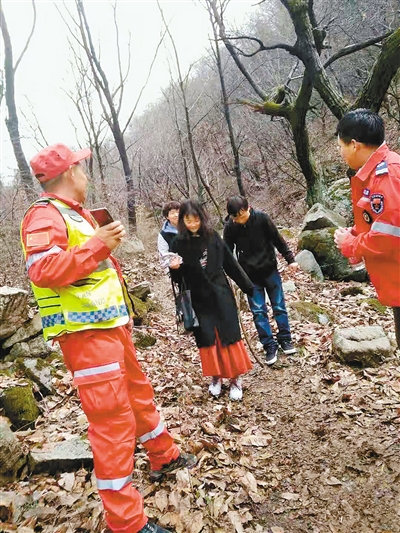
(203, 262)
(255, 237)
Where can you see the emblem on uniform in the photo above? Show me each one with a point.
(377, 203)
(382, 168)
(366, 192)
(76, 217)
(367, 217)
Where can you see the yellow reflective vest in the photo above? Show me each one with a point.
(98, 301)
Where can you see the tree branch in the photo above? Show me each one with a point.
(347, 50)
(29, 38)
(261, 46)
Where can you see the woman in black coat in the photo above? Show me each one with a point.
(203, 261)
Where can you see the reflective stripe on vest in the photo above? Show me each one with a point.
(35, 257)
(152, 434)
(113, 484)
(386, 229)
(101, 315)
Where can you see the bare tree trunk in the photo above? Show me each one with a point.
(12, 119)
(384, 70)
(103, 89)
(227, 113)
(200, 179)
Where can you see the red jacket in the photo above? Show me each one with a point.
(376, 232)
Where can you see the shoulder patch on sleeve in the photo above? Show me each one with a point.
(382, 168)
(37, 239)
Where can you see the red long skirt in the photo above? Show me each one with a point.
(225, 361)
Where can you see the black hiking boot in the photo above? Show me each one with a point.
(185, 460)
(150, 527)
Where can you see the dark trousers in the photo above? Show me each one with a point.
(396, 314)
(258, 306)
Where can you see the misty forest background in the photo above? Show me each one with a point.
(255, 115)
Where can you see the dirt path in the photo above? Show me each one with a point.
(313, 447)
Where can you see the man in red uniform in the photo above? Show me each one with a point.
(375, 236)
(84, 305)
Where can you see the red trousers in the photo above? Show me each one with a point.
(117, 399)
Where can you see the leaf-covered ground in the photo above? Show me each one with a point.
(313, 447)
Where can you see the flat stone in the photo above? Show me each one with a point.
(67, 456)
(366, 346)
(25, 332)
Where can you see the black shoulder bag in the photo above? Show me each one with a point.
(186, 319)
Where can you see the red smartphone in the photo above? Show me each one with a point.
(102, 216)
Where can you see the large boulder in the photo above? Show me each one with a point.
(28, 330)
(338, 198)
(14, 310)
(319, 217)
(333, 265)
(308, 263)
(12, 456)
(365, 346)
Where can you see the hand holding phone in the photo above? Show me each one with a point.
(102, 216)
(111, 234)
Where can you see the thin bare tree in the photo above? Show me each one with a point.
(11, 119)
(111, 99)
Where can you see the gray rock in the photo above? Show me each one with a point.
(38, 371)
(35, 347)
(132, 246)
(12, 457)
(333, 265)
(66, 456)
(141, 290)
(289, 286)
(308, 263)
(338, 198)
(25, 332)
(13, 310)
(319, 217)
(366, 346)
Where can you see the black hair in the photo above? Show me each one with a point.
(169, 207)
(362, 125)
(194, 208)
(235, 204)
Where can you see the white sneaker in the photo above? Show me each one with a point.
(215, 386)
(235, 392)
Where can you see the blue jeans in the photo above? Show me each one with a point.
(258, 306)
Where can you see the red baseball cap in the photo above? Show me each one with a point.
(56, 159)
